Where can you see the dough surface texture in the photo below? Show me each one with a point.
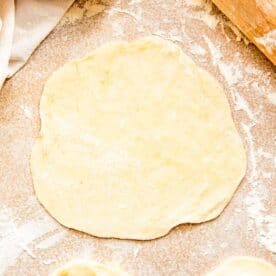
(244, 266)
(135, 139)
(88, 269)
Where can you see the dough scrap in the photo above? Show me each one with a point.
(135, 139)
(88, 269)
(244, 266)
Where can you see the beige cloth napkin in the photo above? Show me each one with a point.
(23, 25)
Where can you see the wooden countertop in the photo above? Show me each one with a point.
(32, 243)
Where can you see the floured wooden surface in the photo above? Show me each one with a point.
(32, 243)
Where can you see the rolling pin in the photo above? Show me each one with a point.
(256, 19)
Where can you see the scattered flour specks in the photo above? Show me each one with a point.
(118, 29)
(27, 111)
(255, 199)
(265, 224)
(168, 36)
(203, 12)
(255, 202)
(195, 3)
(272, 98)
(136, 16)
(242, 104)
(134, 2)
(196, 49)
(15, 239)
(52, 240)
(230, 72)
(48, 261)
(252, 70)
(214, 50)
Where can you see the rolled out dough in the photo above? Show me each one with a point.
(244, 266)
(135, 139)
(88, 269)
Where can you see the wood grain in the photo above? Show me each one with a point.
(256, 19)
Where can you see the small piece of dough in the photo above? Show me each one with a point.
(244, 266)
(135, 139)
(88, 269)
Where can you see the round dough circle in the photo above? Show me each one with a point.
(88, 269)
(135, 139)
(245, 266)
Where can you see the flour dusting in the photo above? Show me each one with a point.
(231, 73)
(134, 2)
(196, 49)
(272, 98)
(242, 104)
(27, 111)
(52, 240)
(16, 239)
(26, 235)
(203, 12)
(214, 50)
(255, 201)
